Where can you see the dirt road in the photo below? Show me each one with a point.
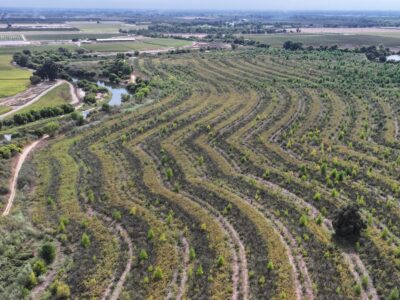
(74, 97)
(14, 179)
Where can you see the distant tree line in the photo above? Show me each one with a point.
(222, 27)
(373, 53)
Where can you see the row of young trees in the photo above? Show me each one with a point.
(34, 115)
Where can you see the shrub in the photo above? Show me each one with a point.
(318, 220)
(133, 211)
(150, 234)
(357, 289)
(289, 45)
(31, 281)
(63, 291)
(348, 222)
(199, 271)
(304, 220)
(125, 97)
(394, 294)
(221, 261)
(170, 218)
(364, 281)
(116, 215)
(106, 107)
(51, 128)
(85, 240)
(35, 79)
(39, 267)
(261, 280)
(48, 252)
(192, 254)
(143, 255)
(158, 274)
(169, 174)
(317, 196)
(9, 151)
(90, 98)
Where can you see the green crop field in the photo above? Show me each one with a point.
(68, 35)
(103, 27)
(342, 40)
(10, 37)
(13, 80)
(231, 183)
(146, 44)
(56, 97)
(13, 49)
(4, 109)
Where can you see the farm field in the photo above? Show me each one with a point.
(145, 44)
(343, 30)
(56, 97)
(224, 187)
(11, 50)
(139, 45)
(350, 41)
(4, 109)
(104, 27)
(10, 37)
(13, 80)
(63, 36)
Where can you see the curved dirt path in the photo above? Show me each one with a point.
(181, 272)
(118, 288)
(75, 99)
(14, 178)
(184, 275)
(125, 236)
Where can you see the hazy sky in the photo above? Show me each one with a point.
(213, 4)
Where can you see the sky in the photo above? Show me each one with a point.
(212, 4)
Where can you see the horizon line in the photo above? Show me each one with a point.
(205, 9)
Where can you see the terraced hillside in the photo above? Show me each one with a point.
(226, 187)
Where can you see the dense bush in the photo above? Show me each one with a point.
(141, 88)
(35, 79)
(117, 69)
(90, 98)
(9, 151)
(348, 222)
(289, 45)
(48, 252)
(51, 128)
(374, 53)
